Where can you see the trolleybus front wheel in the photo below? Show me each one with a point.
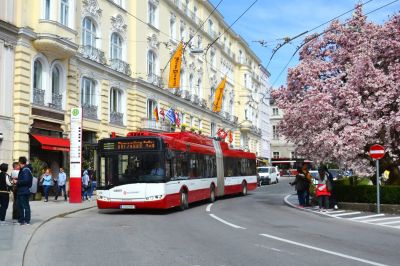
(184, 201)
(244, 188)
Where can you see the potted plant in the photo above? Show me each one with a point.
(37, 168)
(183, 127)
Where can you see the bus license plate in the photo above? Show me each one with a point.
(127, 207)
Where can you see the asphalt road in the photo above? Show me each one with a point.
(258, 229)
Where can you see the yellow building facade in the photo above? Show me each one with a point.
(110, 57)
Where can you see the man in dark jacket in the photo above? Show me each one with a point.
(24, 183)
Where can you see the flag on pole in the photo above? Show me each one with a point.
(171, 115)
(221, 133)
(219, 96)
(177, 119)
(230, 136)
(162, 113)
(175, 68)
(155, 113)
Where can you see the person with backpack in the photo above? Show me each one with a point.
(85, 185)
(5, 186)
(301, 185)
(24, 183)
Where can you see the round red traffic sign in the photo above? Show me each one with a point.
(377, 151)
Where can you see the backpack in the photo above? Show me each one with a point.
(33, 188)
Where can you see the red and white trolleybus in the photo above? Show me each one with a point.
(166, 170)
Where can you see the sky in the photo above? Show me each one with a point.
(272, 20)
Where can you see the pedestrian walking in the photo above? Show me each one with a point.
(24, 182)
(301, 185)
(14, 178)
(62, 180)
(85, 185)
(92, 184)
(5, 186)
(322, 190)
(47, 183)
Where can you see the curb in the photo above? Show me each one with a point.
(305, 209)
(46, 221)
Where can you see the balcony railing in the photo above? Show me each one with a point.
(154, 79)
(178, 92)
(93, 53)
(196, 99)
(89, 111)
(203, 103)
(38, 97)
(151, 124)
(117, 118)
(187, 95)
(56, 101)
(121, 66)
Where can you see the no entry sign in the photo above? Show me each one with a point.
(377, 152)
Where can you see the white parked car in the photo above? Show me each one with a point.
(267, 175)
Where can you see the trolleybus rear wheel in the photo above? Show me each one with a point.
(244, 188)
(212, 193)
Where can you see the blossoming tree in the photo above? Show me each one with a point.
(344, 95)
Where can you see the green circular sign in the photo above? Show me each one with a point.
(75, 112)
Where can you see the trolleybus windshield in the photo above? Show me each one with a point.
(132, 167)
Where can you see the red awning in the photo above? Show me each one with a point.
(51, 143)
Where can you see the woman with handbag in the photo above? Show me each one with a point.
(5, 184)
(322, 191)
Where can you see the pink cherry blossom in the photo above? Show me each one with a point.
(344, 95)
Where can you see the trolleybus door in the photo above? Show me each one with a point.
(220, 168)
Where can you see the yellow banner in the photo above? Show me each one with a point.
(175, 68)
(219, 96)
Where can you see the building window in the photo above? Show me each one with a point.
(115, 100)
(47, 9)
(182, 31)
(88, 33)
(213, 59)
(37, 75)
(116, 46)
(88, 92)
(191, 85)
(199, 89)
(275, 132)
(200, 124)
(275, 111)
(64, 12)
(172, 26)
(275, 155)
(152, 14)
(55, 81)
(213, 129)
(151, 105)
(151, 63)
(192, 121)
(199, 41)
(210, 27)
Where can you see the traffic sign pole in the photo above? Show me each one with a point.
(377, 152)
(378, 203)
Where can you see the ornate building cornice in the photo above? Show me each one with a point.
(118, 25)
(91, 8)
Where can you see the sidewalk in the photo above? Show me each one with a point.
(382, 219)
(14, 238)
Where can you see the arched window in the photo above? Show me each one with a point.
(37, 75)
(47, 9)
(115, 100)
(199, 88)
(116, 46)
(151, 108)
(55, 81)
(151, 63)
(88, 32)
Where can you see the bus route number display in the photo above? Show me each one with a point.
(137, 145)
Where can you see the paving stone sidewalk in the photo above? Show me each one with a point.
(14, 237)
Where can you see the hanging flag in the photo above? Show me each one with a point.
(175, 68)
(171, 115)
(155, 113)
(162, 113)
(230, 136)
(177, 119)
(219, 96)
(221, 133)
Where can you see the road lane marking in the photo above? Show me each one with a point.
(344, 214)
(225, 222)
(381, 219)
(386, 223)
(323, 250)
(367, 217)
(209, 207)
(333, 212)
